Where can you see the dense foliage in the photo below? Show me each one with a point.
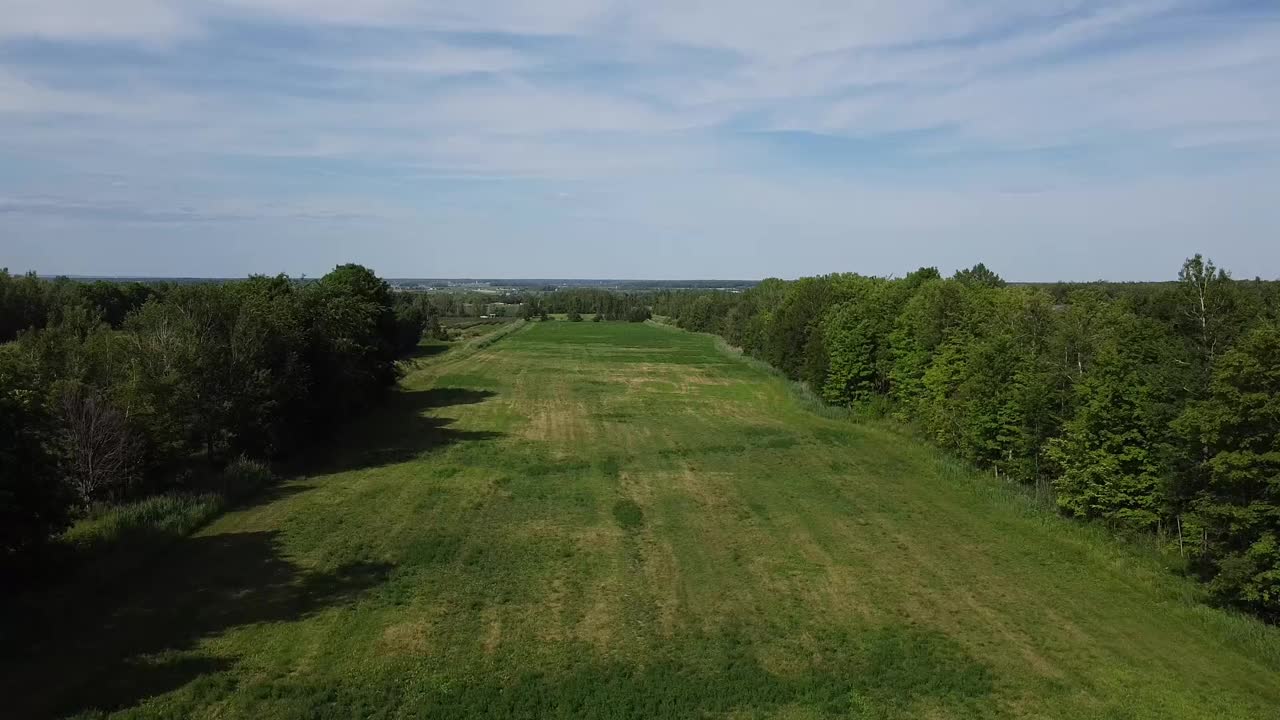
(1154, 408)
(535, 303)
(110, 393)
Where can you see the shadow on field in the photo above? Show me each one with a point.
(147, 644)
(880, 675)
(403, 430)
(398, 431)
(891, 673)
(425, 351)
(110, 643)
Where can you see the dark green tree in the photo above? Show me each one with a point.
(979, 275)
(1113, 452)
(34, 503)
(1235, 501)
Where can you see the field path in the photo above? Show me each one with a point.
(608, 520)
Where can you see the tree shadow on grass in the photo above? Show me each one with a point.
(889, 673)
(110, 645)
(118, 651)
(882, 675)
(425, 351)
(404, 429)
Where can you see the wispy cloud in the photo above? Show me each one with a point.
(151, 212)
(301, 101)
(126, 20)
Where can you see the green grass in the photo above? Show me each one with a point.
(112, 536)
(148, 521)
(612, 520)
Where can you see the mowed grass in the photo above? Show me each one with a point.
(604, 520)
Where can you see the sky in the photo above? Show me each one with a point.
(1049, 139)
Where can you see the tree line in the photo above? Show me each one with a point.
(116, 391)
(1154, 408)
(603, 304)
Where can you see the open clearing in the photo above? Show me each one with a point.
(587, 520)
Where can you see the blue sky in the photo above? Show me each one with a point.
(1050, 139)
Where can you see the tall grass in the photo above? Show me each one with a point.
(1139, 552)
(124, 533)
(803, 394)
(485, 341)
(172, 515)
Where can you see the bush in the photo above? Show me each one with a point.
(115, 536)
(243, 477)
(638, 314)
(598, 317)
(574, 316)
(170, 516)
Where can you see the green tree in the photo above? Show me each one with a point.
(360, 284)
(790, 327)
(979, 275)
(851, 348)
(416, 317)
(270, 381)
(638, 314)
(1208, 304)
(935, 312)
(34, 503)
(1112, 452)
(1236, 501)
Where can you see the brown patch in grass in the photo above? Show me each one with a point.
(1013, 640)
(664, 377)
(552, 609)
(790, 658)
(711, 490)
(493, 633)
(823, 580)
(558, 420)
(412, 637)
(598, 538)
(637, 487)
(944, 614)
(598, 623)
(744, 411)
(662, 576)
(563, 425)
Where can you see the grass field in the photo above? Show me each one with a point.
(603, 520)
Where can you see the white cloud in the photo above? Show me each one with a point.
(653, 97)
(564, 17)
(859, 68)
(1228, 79)
(150, 21)
(442, 60)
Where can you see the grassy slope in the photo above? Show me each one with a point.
(610, 520)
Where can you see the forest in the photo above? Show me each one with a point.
(123, 401)
(1152, 408)
(607, 304)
